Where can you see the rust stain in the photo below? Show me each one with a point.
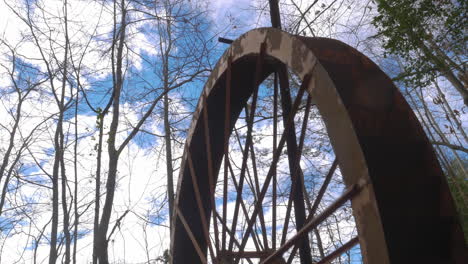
(407, 193)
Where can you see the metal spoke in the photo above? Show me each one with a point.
(322, 190)
(191, 236)
(244, 209)
(301, 147)
(313, 223)
(297, 195)
(275, 161)
(227, 229)
(250, 184)
(297, 169)
(200, 205)
(227, 119)
(288, 214)
(345, 247)
(275, 132)
(258, 70)
(257, 189)
(319, 243)
(291, 257)
(211, 180)
(249, 177)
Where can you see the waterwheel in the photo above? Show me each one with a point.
(249, 193)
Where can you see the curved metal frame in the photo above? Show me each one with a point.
(403, 210)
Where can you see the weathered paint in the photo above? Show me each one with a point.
(405, 213)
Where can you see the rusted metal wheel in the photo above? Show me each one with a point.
(239, 211)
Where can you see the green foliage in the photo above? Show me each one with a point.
(458, 185)
(410, 29)
(458, 194)
(164, 258)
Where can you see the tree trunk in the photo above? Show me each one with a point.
(167, 124)
(450, 111)
(102, 242)
(66, 215)
(75, 192)
(55, 192)
(97, 197)
(8, 152)
(169, 168)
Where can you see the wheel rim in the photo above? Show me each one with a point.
(353, 115)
